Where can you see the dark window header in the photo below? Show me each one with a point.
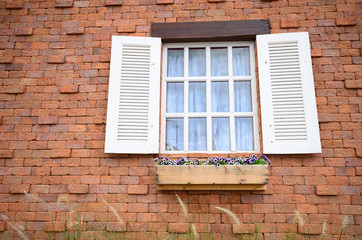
(210, 31)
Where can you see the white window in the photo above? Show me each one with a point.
(209, 98)
(209, 101)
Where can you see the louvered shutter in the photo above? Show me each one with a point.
(134, 95)
(288, 105)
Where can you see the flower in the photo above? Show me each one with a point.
(216, 161)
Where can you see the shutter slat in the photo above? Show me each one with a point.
(289, 117)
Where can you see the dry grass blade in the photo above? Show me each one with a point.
(18, 230)
(299, 217)
(194, 232)
(231, 214)
(345, 222)
(183, 206)
(324, 229)
(63, 199)
(115, 213)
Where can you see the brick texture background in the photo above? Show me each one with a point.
(54, 68)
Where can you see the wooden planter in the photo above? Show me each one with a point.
(241, 177)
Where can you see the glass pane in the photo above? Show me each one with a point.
(242, 96)
(220, 134)
(174, 134)
(175, 97)
(197, 134)
(220, 97)
(175, 62)
(244, 134)
(197, 97)
(241, 64)
(219, 62)
(197, 62)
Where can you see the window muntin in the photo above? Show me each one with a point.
(216, 98)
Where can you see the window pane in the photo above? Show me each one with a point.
(197, 62)
(197, 134)
(197, 97)
(219, 62)
(175, 62)
(220, 97)
(175, 97)
(242, 96)
(244, 134)
(241, 64)
(174, 134)
(220, 134)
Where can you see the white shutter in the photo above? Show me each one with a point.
(134, 95)
(288, 105)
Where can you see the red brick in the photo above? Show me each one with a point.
(54, 226)
(137, 207)
(47, 120)
(72, 28)
(6, 153)
(114, 2)
(80, 153)
(14, 89)
(310, 228)
(178, 227)
(359, 171)
(346, 21)
(90, 179)
(23, 31)
(138, 171)
(344, 153)
(353, 83)
(39, 189)
(110, 179)
(6, 59)
(19, 188)
(216, 1)
(56, 59)
(244, 228)
(126, 28)
(263, 208)
(60, 153)
(350, 209)
(18, 207)
(289, 24)
(64, 3)
(316, 52)
(137, 189)
(359, 151)
(78, 188)
(25, 216)
(14, 5)
(2, 226)
(162, 2)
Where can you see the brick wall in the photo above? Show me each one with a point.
(54, 69)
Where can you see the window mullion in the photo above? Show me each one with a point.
(186, 110)
(231, 100)
(186, 62)
(186, 133)
(254, 103)
(232, 134)
(208, 101)
(186, 99)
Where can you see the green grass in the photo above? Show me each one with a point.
(73, 226)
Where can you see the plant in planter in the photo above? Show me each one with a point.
(216, 173)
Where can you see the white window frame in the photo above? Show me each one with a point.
(231, 115)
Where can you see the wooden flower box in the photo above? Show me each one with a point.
(206, 177)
